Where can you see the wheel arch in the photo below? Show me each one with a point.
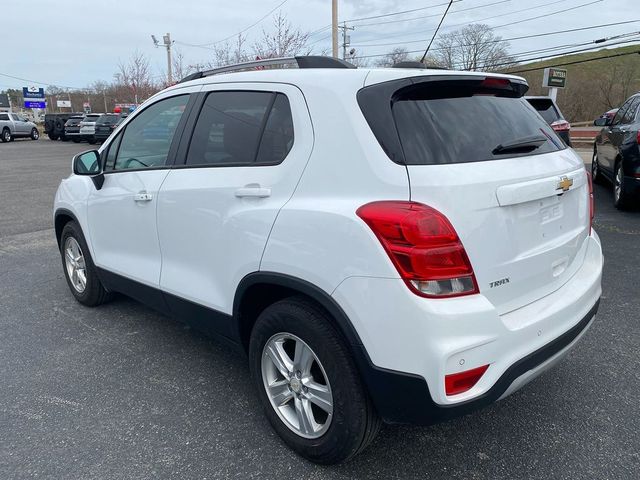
(258, 290)
(61, 218)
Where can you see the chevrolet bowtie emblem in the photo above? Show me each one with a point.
(564, 184)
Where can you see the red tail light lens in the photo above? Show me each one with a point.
(463, 381)
(638, 137)
(423, 246)
(561, 126)
(592, 206)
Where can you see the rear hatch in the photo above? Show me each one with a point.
(479, 153)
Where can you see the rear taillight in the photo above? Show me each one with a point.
(592, 207)
(423, 246)
(561, 126)
(638, 137)
(463, 381)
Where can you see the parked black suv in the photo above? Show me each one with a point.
(616, 153)
(552, 115)
(72, 128)
(107, 124)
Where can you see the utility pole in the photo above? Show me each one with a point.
(104, 97)
(346, 39)
(334, 27)
(166, 41)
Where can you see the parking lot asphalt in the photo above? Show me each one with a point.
(120, 392)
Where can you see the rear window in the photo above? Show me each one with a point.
(91, 118)
(108, 119)
(449, 121)
(545, 108)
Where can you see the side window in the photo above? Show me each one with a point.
(147, 138)
(621, 111)
(277, 138)
(229, 128)
(110, 161)
(4, 117)
(630, 114)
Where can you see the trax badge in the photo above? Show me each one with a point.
(497, 283)
(564, 184)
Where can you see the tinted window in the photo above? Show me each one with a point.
(277, 138)
(108, 119)
(110, 161)
(630, 115)
(4, 116)
(621, 111)
(443, 124)
(148, 136)
(229, 128)
(545, 108)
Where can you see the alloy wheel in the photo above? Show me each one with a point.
(617, 187)
(297, 385)
(75, 264)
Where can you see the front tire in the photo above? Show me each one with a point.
(621, 198)
(35, 135)
(596, 174)
(308, 383)
(52, 136)
(92, 141)
(6, 136)
(79, 269)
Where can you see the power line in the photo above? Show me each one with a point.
(510, 38)
(432, 15)
(39, 83)
(399, 13)
(238, 33)
(577, 62)
(436, 32)
(555, 2)
(571, 52)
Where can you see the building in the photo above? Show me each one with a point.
(4, 103)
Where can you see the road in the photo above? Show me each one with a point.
(120, 392)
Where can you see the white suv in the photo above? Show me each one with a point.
(398, 245)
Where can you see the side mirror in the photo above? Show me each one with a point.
(601, 122)
(88, 164)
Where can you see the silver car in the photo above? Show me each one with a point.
(13, 125)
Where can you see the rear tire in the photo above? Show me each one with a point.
(621, 198)
(79, 269)
(52, 136)
(75, 140)
(92, 141)
(327, 438)
(6, 135)
(35, 135)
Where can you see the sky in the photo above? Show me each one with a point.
(72, 43)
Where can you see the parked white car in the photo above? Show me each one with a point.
(88, 127)
(14, 125)
(398, 245)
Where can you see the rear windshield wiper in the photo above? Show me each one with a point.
(524, 144)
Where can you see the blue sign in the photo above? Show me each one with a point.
(32, 92)
(30, 104)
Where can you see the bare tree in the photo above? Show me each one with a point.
(283, 41)
(229, 53)
(474, 47)
(398, 54)
(133, 79)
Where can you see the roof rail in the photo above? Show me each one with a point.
(410, 64)
(307, 61)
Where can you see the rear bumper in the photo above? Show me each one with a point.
(410, 344)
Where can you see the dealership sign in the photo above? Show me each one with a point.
(33, 93)
(554, 78)
(64, 103)
(35, 104)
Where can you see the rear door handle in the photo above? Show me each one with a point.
(143, 197)
(253, 190)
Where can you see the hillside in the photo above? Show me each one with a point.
(592, 87)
